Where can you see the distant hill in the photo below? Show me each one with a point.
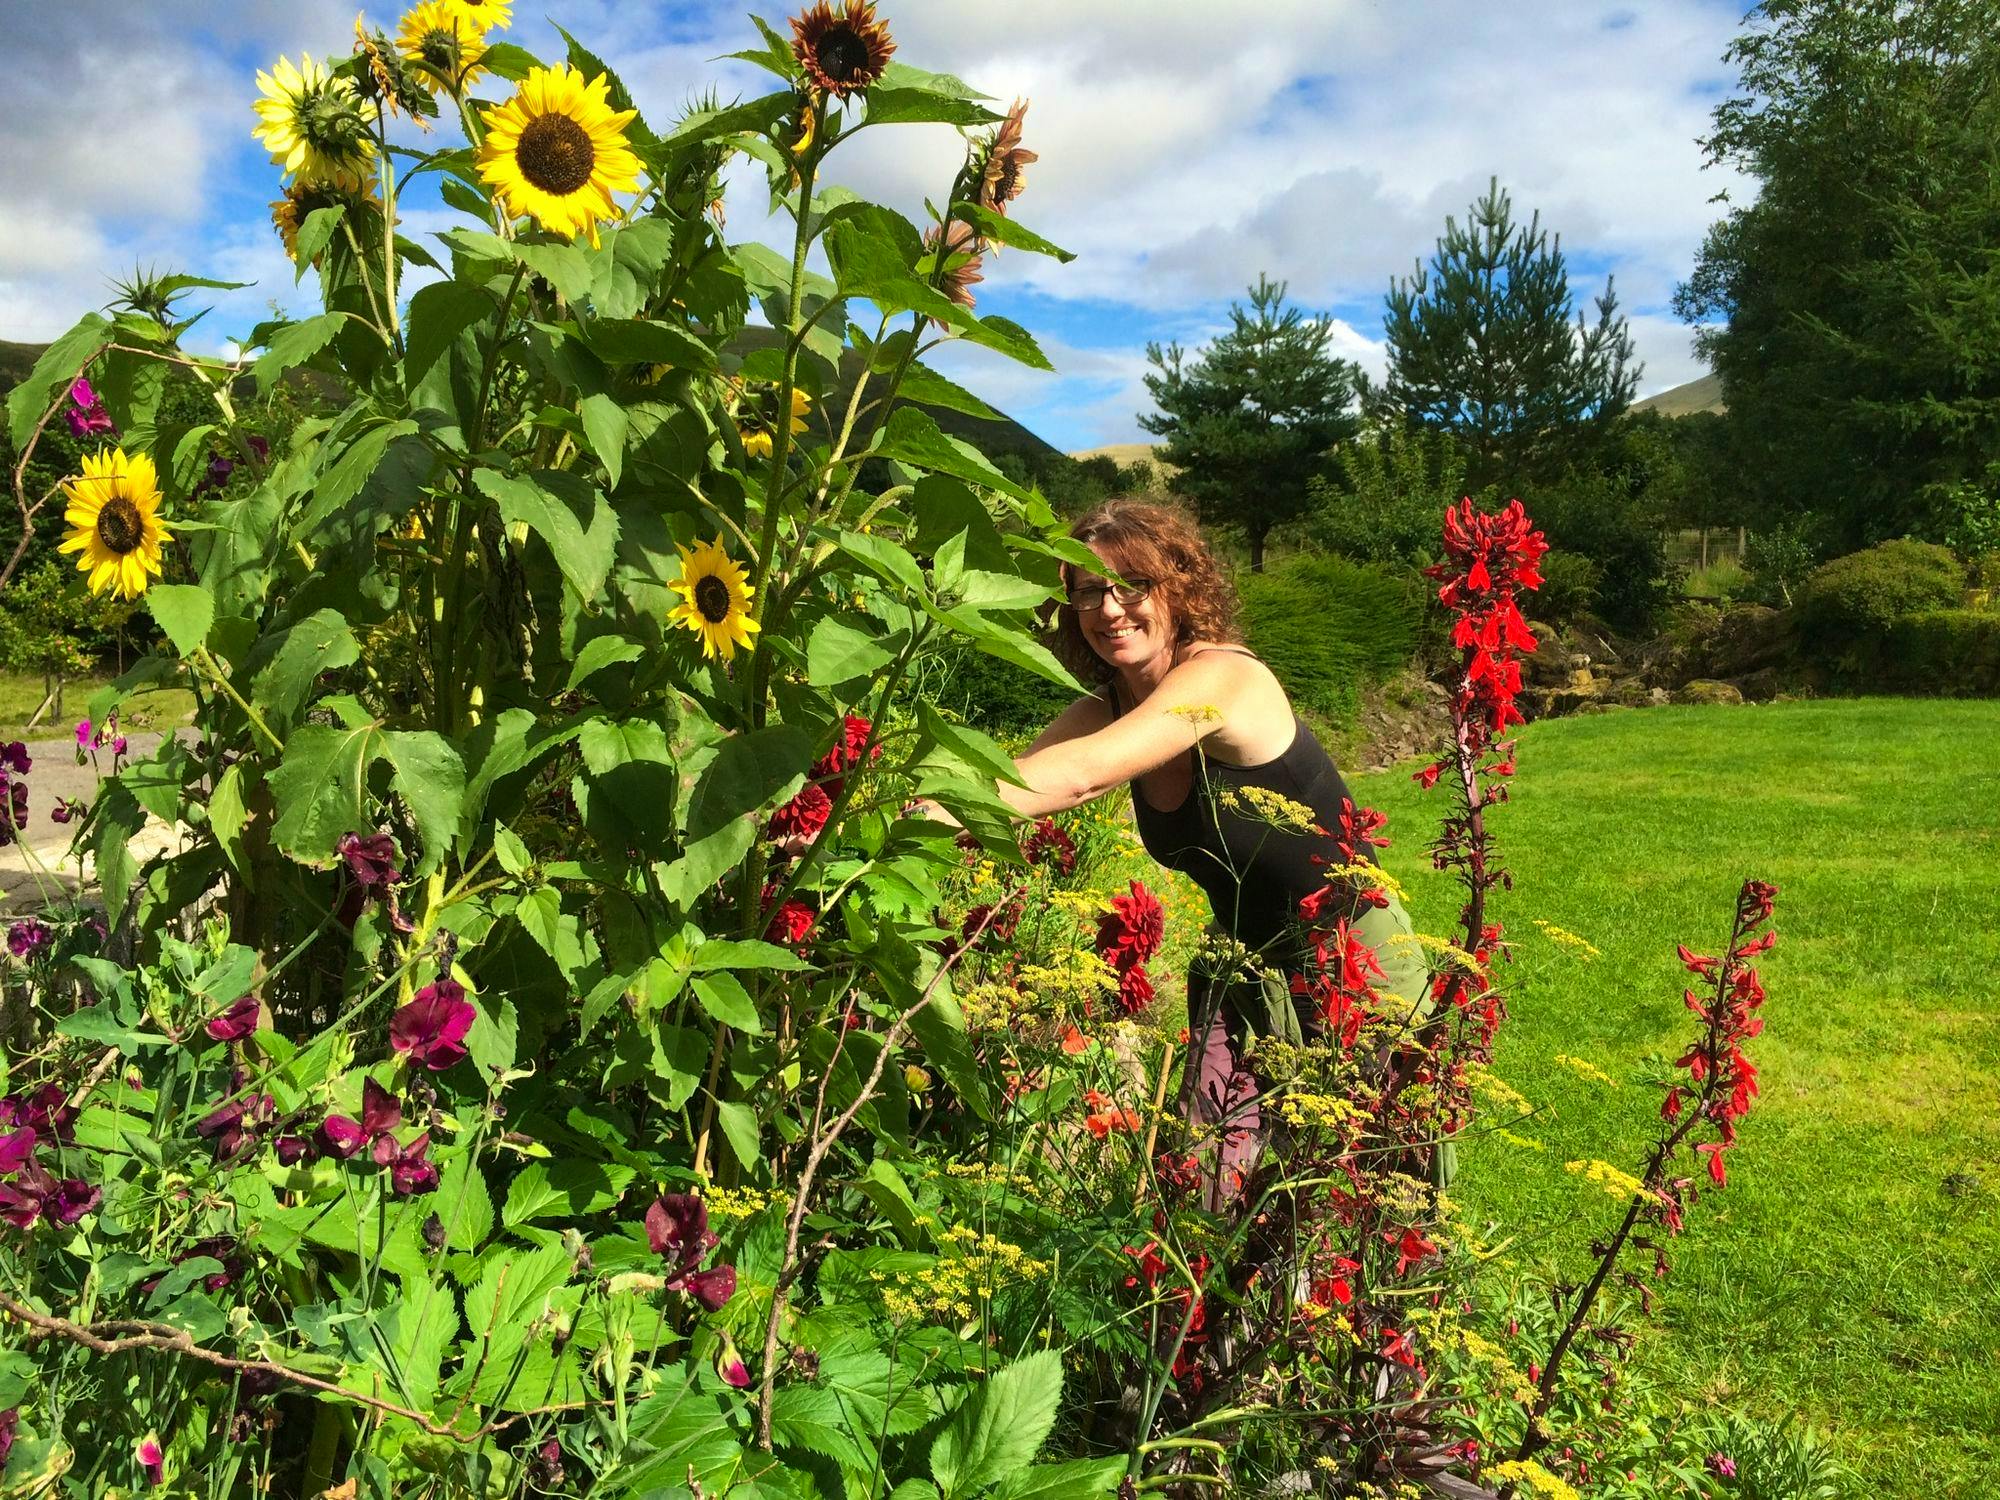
(1704, 394)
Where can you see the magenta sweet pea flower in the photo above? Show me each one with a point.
(86, 414)
(17, 1150)
(235, 1023)
(677, 1229)
(371, 860)
(10, 1419)
(152, 1458)
(413, 1172)
(339, 1137)
(19, 1207)
(83, 734)
(430, 1030)
(70, 1200)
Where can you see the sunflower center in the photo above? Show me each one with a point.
(120, 526)
(1005, 186)
(555, 154)
(711, 597)
(843, 55)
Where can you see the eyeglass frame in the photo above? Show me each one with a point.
(1132, 591)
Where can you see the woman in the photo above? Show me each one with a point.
(1194, 722)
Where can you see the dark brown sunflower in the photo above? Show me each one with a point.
(842, 52)
(959, 241)
(1007, 161)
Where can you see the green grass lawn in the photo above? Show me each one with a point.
(1850, 1272)
(22, 693)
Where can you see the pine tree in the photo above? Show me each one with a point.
(1481, 345)
(1251, 420)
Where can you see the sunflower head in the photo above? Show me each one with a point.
(114, 520)
(956, 256)
(486, 15)
(557, 152)
(384, 74)
(289, 213)
(1006, 169)
(315, 125)
(715, 600)
(442, 45)
(842, 52)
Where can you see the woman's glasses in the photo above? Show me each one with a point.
(1090, 596)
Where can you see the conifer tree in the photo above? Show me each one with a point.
(1482, 345)
(1251, 420)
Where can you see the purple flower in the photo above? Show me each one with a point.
(117, 746)
(1722, 1465)
(17, 1150)
(152, 1458)
(339, 1137)
(431, 1029)
(9, 1420)
(19, 1207)
(83, 734)
(86, 414)
(677, 1228)
(70, 1201)
(234, 1125)
(381, 1111)
(412, 1172)
(28, 937)
(729, 1364)
(45, 1109)
(292, 1149)
(14, 755)
(63, 811)
(371, 860)
(235, 1023)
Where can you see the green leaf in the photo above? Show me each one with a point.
(628, 272)
(567, 1189)
(570, 515)
(555, 931)
(463, 1204)
(744, 953)
(505, 60)
(1005, 231)
(886, 560)
(58, 365)
(1079, 1479)
(431, 779)
(969, 747)
(294, 344)
(320, 789)
(913, 437)
(634, 341)
(887, 106)
(515, 1286)
(117, 818)
(94, 1024)
(599, 652)
(901, 75)
(1022, 650)
(564, 267)
(725, 1000)
(438, 314)
(1000, 1427)
(197, 1315)
(837, 652)
(928, 388)
(319, 643)
(605, 428)
(741, 1130)
(704, 861)
(749, 771)
(228, 815)
(813, 1418)
(314, 235)
(184, 611)
(494, 1038)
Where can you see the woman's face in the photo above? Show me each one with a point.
(1126, 636)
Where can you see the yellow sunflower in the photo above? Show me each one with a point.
(715, 599)
(444, 43)
(757, 444)
(557, 152)
(315, 125)
(114, 518)
(487, 15)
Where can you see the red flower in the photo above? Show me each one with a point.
(1135, 990)
(412, 1171)
(1049, 844)
(677, 1228)
(1121, 1120)
(235, 1023)
(805, 815)
(1135, 926)
(791, 924)
(371, 860)
(1411, 1248)
(430, 1030)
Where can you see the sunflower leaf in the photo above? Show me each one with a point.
(1004, 231)
(888, 106)
(568, 514)
(505, 60)
(314, 235)
(749, 771)
(320, 789)
(58, 366)
(184, 611)
(590, 65)
(293, 344)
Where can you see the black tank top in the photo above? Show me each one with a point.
(1253, 874)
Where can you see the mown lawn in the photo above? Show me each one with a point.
(21, 693)
(1850, 1272)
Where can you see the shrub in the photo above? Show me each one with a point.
(1569, 587)
(1327, 625)
(1779, 559)
(1382, 505)
(1853, 600)
(1952, 652)
(1594, 516)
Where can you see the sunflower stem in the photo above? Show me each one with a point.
(388, 175)
(216, 675)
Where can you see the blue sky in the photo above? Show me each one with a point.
(1184, 149)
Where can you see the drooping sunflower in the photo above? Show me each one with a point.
(289, 213)
(443, 44)
(842, 52)
(557, 152)
(487, 15)
(114, 519)
(1006, 162)
(389, 77)
(960, 254)
(757, 442)
(315, 125)
(715, 599)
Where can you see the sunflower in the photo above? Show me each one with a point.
(443, 44)
(961, 245)
(757, 444)
(289, 213)
(114, 518)
(487, 15)
(842, 54)
(715, 599)
(388, 76)
(557, 151)
(315, 125)
(1006, 162)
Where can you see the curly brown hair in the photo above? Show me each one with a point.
(1147, 539)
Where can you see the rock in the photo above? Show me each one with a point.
(1658, 697)
(1708, 690)
(1580, 678)
(1762, 685)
